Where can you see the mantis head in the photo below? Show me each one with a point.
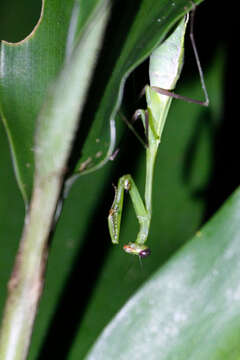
(136, 249)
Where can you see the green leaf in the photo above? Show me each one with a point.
(190, 308)
(59, 116)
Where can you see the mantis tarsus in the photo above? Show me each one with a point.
(164, 71)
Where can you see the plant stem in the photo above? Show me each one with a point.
(27, 280)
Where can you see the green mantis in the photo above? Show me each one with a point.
(164, 70)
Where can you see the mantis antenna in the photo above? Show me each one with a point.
(164, 70)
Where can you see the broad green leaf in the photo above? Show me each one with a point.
(190, 309)
(26, 70)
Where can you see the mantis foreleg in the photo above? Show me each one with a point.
(126, 183)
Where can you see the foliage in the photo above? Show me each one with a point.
(88, 281)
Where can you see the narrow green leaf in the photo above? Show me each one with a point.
(58, 119)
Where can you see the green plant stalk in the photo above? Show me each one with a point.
(26, 283)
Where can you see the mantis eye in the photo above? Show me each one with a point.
(145, 253)
(136, 249)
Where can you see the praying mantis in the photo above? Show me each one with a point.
(164, 70)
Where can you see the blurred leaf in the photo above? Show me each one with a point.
(190, 309)
(59, 117)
